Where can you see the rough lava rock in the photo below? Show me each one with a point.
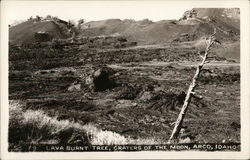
(101, 79)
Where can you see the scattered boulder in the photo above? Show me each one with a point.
(146, 96)
(101, 80)
(89, 80)
(186, 136)
(74, 87)
(125, 104)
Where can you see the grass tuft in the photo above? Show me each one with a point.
(36, 127)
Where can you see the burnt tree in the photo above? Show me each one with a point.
(190, 92)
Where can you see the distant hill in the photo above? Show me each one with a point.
(195, 23)
(32, 29)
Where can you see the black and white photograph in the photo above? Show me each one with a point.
(129, 76)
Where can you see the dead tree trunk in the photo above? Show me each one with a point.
(190, 92)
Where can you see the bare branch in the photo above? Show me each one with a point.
(193, 93)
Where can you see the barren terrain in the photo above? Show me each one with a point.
(147, 95)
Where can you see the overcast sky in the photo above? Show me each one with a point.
(96, 10)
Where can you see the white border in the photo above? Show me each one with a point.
(245, 96)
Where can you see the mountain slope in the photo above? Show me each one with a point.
(230, 16)
(25, 32)
(195, 23)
